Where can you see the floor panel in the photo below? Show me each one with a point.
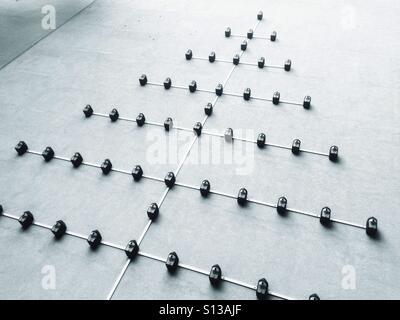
(344, 55)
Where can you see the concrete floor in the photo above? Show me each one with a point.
(344, 54)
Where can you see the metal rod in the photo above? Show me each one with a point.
(141, 253)
(205, 90)
(237, 95)
(220, 193)
(239, 283)
(254, 36)
(271, 66)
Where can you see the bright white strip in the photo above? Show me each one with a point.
(146, 228)
(116, 283)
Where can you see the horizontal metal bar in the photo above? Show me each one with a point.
(156, 84)
(189, 186)
(206, 90)
(150, 256)
(188, 267)
(271, 205)
(112, 245)
(278, 146)
(349, 223)
(152, 123)
(261, 98)
(239, 283)
(305, 213)
(280, 101)
(267, 204)
(76, 235)
(34, 152)
(233, 95)
(179, 87)
(182, 128)
(152, 178)
(142, 253)
(262, 37)
(188, 130)
(280, 296)
(216, 60)
(62, 158)
(185, 185)
(272, 66)
(100, 115)
(315, 152)
(89, 164)
(236, 35)
(224, 194)
(122, 171)
(214, 134)
(68, 232)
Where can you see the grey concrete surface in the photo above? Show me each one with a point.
(148, 279)
(20, 23)
(27, 256)
(344, 54)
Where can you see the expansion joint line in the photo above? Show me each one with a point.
(177, 170)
